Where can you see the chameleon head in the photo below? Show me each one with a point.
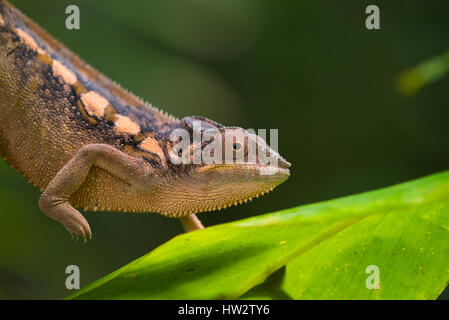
(218, 167)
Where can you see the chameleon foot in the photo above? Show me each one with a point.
(61, 211)
(76, 238)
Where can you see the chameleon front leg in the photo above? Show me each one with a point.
(54, 201)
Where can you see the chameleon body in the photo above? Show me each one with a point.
(87, 143)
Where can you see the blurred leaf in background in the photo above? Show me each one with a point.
(431, 70)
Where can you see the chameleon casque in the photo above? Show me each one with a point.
(87, 143)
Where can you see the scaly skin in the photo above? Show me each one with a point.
(87, 143)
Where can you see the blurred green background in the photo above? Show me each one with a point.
(308, 68)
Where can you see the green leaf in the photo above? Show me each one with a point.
(431, 70)
(325, 248)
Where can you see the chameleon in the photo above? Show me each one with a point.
(88, 144)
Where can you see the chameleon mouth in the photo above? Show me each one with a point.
(268, 173)
(273, 171)
(282, 168)
(279, 168)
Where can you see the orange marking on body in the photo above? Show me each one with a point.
(95, 103)
(126, 125)
(60, 70)
(152, 145)
(2, 22)
(27, 39)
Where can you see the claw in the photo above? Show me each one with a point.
(77, 237)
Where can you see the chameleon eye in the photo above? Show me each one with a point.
(236, 146)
